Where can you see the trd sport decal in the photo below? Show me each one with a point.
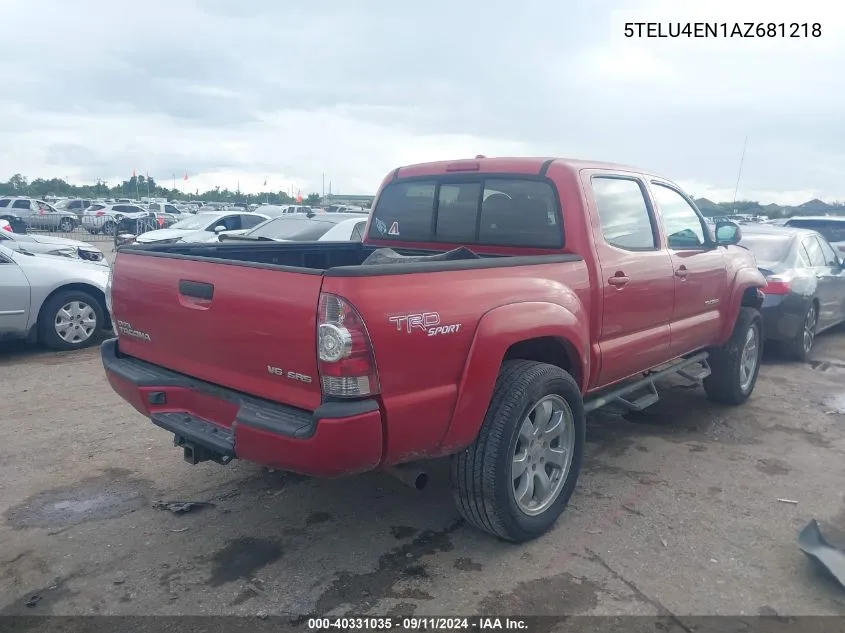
(428, 322)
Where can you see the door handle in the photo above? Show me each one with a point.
(196, 289)
(682, 272)
(618, 280)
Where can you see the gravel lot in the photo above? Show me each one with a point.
(676, 513)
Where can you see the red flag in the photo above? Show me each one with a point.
(186, 176)
(299, 197)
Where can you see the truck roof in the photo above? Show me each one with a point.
(511, 164)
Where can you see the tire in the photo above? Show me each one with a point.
(801, 346)
(50, 315)
(481, 475)
(108, 228)
(67, 225)
(729, 381)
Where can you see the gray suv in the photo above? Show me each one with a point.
(39, 215)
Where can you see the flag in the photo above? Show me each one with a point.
(265, 182)
(186, 176)
(298, 196)
(133, 173)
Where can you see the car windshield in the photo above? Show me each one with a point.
(832, 230)
(294, 229)
(767, 248)
(195, 223)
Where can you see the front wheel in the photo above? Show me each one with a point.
(736, 365)
(67, 225)
(70, 319)
(515, 480)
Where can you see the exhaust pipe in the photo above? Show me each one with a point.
(416, 479)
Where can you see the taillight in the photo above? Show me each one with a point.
(345, 356)
(777, 286)
(100, 213)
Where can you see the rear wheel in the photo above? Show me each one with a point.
(801, 346)
(70, 319)
(67, 225)
(108, 228)
(735, 365)
(515, 480)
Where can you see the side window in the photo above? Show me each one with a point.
(21, 204)
(170, 208)
(684, 228)
(830, 256)
(625, 220)
(457, 208)
(250, 221)
(231, 222)
(4, 202)
(357, 232)
(119, 208)
(814, 251)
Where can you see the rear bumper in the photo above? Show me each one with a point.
(338, 438)
(783, 316)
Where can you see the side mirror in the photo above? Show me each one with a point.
(219, 228)
(728, 233)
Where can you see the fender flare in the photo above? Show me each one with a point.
(497, 330)
(745, 279)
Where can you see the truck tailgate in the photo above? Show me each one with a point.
(248, 328)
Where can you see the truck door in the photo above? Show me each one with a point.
(700, 276)
(635, 278)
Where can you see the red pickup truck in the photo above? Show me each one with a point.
(491, 304)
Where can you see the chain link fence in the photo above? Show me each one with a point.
(101, 231)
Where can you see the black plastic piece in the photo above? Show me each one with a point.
(157, 398)
(192, 430)
(252, 412)
(196, 289)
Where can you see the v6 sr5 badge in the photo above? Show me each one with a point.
(428, 322)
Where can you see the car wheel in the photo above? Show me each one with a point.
(108, 228)
(515, 480)
(70, 319)
(801, 346)
(735, 366)
(67, 225)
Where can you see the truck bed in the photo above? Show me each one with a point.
(338, 259)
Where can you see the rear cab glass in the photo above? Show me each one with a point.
(493, 210)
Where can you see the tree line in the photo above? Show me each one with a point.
(136, 186)
(139, 185)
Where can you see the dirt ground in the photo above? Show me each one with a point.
(676, 513)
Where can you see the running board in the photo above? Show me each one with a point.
(647, 395)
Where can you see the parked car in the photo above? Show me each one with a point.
(74, 205)
(345, 208)
(337, 227)
(15, 222)
(49, 245)
(5, 226)
(39, 215)
(805, 294)
(104, 218)
(202, 226)
(477, 319)
(832, 227)
(55, 300)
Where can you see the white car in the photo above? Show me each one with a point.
(102, 218)
(48, 245)
(197, 227)
(5, 226)
(832, 227)
(335, 227)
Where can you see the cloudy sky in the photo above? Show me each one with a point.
(236, 91)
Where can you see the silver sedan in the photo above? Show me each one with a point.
(58, 301)
(49, 245)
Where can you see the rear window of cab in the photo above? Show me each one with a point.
(494, 211)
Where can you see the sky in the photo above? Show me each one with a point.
(236, 93)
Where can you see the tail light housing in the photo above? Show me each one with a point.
(100, 214)
(345, 358)
(777, 285)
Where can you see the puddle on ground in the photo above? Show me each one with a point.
(827, 366)
(108, 496)
(837, 403)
